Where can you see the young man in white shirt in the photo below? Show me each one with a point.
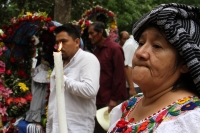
(81, 77)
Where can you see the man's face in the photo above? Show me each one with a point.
(123, 39)
(69, 45)
(95, 37)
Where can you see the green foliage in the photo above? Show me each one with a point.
(127, 11)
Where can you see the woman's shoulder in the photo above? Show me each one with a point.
(184, 122)
(128, 104)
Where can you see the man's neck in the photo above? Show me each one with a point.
(101, 42)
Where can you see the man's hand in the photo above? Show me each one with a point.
(132, 92)
(111, 105)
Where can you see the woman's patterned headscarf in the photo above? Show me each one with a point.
(181, 24)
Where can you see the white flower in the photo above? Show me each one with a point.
(107, 31)
(36, 14)
(1, 32)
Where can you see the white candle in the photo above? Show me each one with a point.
(62, 122)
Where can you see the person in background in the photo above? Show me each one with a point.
(112, 78)
(81, 78)
(123, 36)
(166, 68)
(129, 45)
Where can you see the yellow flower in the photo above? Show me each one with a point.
(49, 74)
(1, 44)
(47, 111)
(23, 87)
(182, 101)
(29, 14)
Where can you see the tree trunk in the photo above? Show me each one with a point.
(62, 11)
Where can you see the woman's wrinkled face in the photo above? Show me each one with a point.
(154, 61)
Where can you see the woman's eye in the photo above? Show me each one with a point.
(140, 43)
(157, 46)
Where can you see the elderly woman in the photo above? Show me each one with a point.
(166, 66)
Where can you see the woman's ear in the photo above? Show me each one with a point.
(184, 68)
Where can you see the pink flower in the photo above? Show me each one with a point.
(7, 92)
(3, 111)
(2, 67)
(9, 72)
(1, 89)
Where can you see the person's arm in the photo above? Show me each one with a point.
(119, 91)
(129, 51)
(88, 85)
(128, 74)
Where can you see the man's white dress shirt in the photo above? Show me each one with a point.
(81, 76)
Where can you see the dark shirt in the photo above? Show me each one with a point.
(112, 75)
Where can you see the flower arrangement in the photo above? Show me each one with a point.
(16, 62)
(105, 15)
(89, 14)
(84, 23)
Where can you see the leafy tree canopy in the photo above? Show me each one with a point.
(127, 11)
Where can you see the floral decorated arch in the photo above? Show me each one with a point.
(98, 13)
(16, 52)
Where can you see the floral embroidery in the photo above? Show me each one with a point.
(131, 103)
(124, 105)
(122, 123)
(182, 101)
(143, 126)
(189, 106)
(150, 123)
(161, 116)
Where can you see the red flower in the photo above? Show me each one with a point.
(9, 72)
(110, 14)
(10, 31)
(28, 97)
(12, 60)
(160, 116)
(51, 29)
(5, 27)
(2, 105)
(2, 67)
(23, 100)
(80, 21)
(143, 126)
(129, 130)
(4, 37)
(20, 73)
(48, 19)
(4, 118)
(41, 17)
(16, 25)
(25, 76)
(17, 100)
(88, 13)
(122, 123)
(9, 101)
(87, 22)
(36, 18)
(124, 105)
(13, 120)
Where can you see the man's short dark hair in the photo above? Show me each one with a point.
(70, 29)
(98, 27)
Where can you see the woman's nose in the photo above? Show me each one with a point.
(142, 52)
